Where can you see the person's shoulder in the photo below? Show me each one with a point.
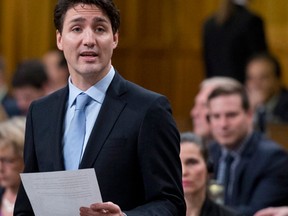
(268, 148)
(213, 146)
(209, 23)
(283, 95)
(133, 90)
(215, 209)
(141, 91)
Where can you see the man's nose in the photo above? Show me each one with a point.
(89, 38)
(223, 121)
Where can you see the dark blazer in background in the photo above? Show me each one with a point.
(261, 178)
(227, 47)
(210, 208)
(133, 147)
(281, 109)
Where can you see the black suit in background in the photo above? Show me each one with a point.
(275, 114)
(261, 176)
(280, 110)
(227, 47)
(133, 147)
(10, 106)
(210, 208)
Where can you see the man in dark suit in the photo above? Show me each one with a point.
(268, 96)
(252, 168)
(131, 138)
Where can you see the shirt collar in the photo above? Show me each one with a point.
(239, 150)
(97, 91)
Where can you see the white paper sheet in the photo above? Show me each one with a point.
(61, 193)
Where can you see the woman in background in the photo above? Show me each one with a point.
(11, 162)
(195, 168)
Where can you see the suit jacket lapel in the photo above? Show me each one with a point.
(241, 169)
(108, 115)
(58, 129)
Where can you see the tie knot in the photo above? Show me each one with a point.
(82, 100)
(229, 158)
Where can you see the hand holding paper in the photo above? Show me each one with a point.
(61, 193)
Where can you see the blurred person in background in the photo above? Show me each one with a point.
(268, 96)
(29, 83)
(199, 111)
(252, 168)
(9, 106)
(195, 176)
(230, 37)
(11, 162)
(57, 70)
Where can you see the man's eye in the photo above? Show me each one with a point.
(100, 29)
(76, 29)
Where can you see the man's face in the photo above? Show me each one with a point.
(261, 79)
(229, 122)
(88, 42)
(199, 113)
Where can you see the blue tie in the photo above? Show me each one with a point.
(228, 161)
(76, 134)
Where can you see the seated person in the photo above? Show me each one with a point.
(29, 83)
(11, 162)
(57, 70)
(252, 169)
(193, 155)
(199, 111)
(8, 107)
(267, 95)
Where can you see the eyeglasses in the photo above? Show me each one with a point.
(7, 161)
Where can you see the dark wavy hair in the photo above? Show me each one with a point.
(231, 90)
(108, 7)
(197, 141)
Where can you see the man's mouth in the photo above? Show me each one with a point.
(88, 54)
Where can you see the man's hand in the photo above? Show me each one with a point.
(101, 209)
(277, 211)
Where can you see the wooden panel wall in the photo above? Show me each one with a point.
(160, 41)
(160, 49)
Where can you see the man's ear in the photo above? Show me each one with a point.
(115, 39)
(59, 40)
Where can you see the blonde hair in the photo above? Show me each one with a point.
(219, 81)
(12, 133)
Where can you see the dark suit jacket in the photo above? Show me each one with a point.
(281, 108)
(227, 47)
(210, 208)
(134, 148)
(261, 178)
(10, 106)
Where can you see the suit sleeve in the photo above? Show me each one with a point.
(22, 205)
(271, 189)
(160, 163)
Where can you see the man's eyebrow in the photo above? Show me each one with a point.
(81, 19)
(100, 19)
(78, 19)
